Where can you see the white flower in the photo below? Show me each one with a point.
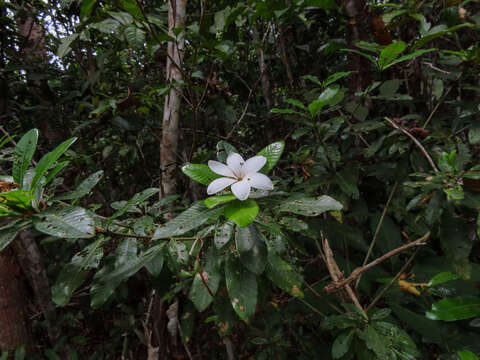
(240, 174)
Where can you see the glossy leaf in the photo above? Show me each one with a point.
(70, 222)
(119, 266)
(325, 98)
(273, 153)
(188, 220)
(23, 154)
(224, 149)
(342, 343)
(138, 198)
(466, 355)
(73, 274)
(213, 201)
(83, 189)
(413, 55)
(199, 294)
(252, 248)
(242, 288)
(390, 53)
(7, 236)
(48, 160)
(283, 275)
(64, 47)
(223, 234)
(242, 213)
(200, 173)
(442, 278)
(135, 36)
(453, 309)
(310, 206)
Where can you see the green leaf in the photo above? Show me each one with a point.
(188, 220)
(429, 37)
(325, 98)
(390, 53)
(342, 343)
(56, 169)
(456, 243)
(322, 4)
(73, 274)
(138, 198)
(47, 161)
(242, 213)
(83, 189)
(200, 173)
(282, 274)
(242, 288)
(310, 206)
(64, 47)
(18, 200)
(252, 249)
(453, 309)
(335, 77)
(22, 155)
(119, 266)
(442, 278)
(273, 153)
(223, 234)
(467, 355)
(199, 294)
(213, 201)
(224, 149)
(413, 55)
(474, 135)
(296, 103)
(71, 222)
(284, 111)
(7, 236)
(86, 8)
(135, 36)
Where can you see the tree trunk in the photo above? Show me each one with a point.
(171, 113)
(33, 55)
(13, 331)
(30, 259)
(357, 29)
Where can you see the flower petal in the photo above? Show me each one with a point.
(219, 184)
(253, 164)
(259, 181)
(235, 162)
(221, 169)
(241, 190)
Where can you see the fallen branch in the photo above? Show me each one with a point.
(339, 282)
(337, 275)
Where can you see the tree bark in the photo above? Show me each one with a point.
(30, 258)
(357, 29)
(13, 330)
(171, 113)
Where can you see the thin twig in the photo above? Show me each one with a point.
(436, 107)
(402, 270)
(360, 270)
(377, 230)
(419, 145)
(315, 293)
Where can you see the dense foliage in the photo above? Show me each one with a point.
(367, 116)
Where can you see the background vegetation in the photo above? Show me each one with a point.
(107, 249)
